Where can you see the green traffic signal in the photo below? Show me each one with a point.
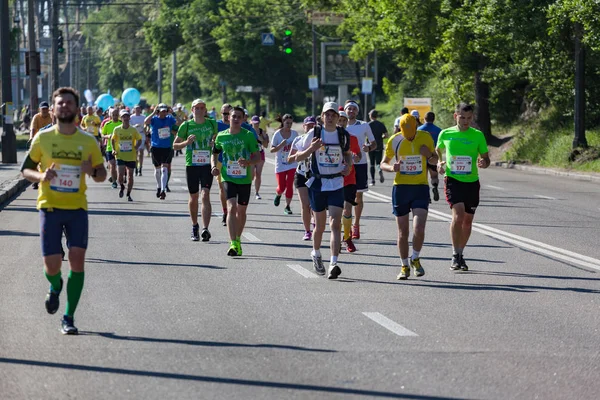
(288, 32)
(288, 51)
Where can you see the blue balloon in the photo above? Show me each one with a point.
(131, 97)
(105, 101)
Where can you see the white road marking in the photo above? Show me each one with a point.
(177, 180)
(268, 160)
(184, 188)
(545, 197)
(250, 237)
(389, 324)
(494, 187)
(519, 241)
(378, 196)
(305, 273)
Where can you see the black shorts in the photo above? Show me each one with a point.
(198, 176)
(362, 177)
(241, 191)
(462, 192)
(161, 155)
(299, 181)
(432, 167)
(350, 194)
(128, 164)
(109, 156)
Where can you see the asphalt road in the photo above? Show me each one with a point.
(163, 317)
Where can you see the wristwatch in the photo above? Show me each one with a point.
(95, 172)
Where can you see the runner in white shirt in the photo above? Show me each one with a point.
(281, 145)
(362, 131)
(330, 162)
(300, 178)
(137, 121)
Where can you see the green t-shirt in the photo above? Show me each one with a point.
(107, 130)
(234, 147)
(199, 152)
(462, 150)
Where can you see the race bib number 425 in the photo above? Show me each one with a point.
(68, 178)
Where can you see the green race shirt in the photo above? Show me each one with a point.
(199, 152)
(107, 130)
(462, 150)
(233, 147)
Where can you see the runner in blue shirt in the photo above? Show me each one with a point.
(434, 131)
(163, 127)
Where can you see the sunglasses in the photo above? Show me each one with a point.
(225, 113)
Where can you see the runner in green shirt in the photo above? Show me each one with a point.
(466, 151)
(107, 131)
(197, 137)
(240, 151)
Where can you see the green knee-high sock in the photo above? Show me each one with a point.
(74, 289)
(54, 281)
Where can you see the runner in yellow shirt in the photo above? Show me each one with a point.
(126, 140)
(412, 150)
(91, 124)
(65, 156)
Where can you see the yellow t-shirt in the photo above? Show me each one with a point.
(413, 167)
(67, 190)
(125, 142)
(38, 122)
(91, 124)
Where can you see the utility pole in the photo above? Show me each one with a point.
(9, 142)
(314, 67)
(33, 72)
(174, 78)
(54, 48)
(159, 80)
(579, 141)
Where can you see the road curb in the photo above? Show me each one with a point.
(11, 187)
(548, 171)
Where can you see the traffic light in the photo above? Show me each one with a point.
(287, 42)
(59, 42)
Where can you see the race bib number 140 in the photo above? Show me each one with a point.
(68, 178)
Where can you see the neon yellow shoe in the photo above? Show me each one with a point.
(238, 246)
(404, 273)
(416, 264)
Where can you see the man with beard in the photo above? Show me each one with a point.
(65, 155)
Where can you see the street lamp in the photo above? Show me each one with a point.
(17, 22)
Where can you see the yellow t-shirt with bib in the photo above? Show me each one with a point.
(67, 190)
(413, 166)
(91, 124)
(125, 142)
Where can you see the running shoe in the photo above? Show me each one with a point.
(129, 198)
(163, 195)
(404, 273)
(238, 248)
(52, 299)
(334, 271)
(277, 200)
(122, 192)
(140, 172)
(205, 235)
(168, 190)
(381, 177)
(287, 211)
(114, 185)
(463, 264)
(372, 183)
(110, 179)
(418, 269)
(257, 197)
(436, 193)
(318, 265)
(350, 247)
(224, 220)
(35, 186)
(307, 235)
(355, 232)
(195, 235)
(232, 252)
(455, 266)
(67, 327)
(157, 193)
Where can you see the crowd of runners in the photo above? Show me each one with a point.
(330, 164)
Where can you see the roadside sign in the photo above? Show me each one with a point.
(313, 82)
(267, 39)
(325, 18)
(367, 85)
(421, 104)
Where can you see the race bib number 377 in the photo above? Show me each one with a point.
(68, 178)
(461, 165)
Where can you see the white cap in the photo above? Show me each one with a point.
(331, 106)
(198, 101)
(415, 113)
(343, 114)
(123, 112)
